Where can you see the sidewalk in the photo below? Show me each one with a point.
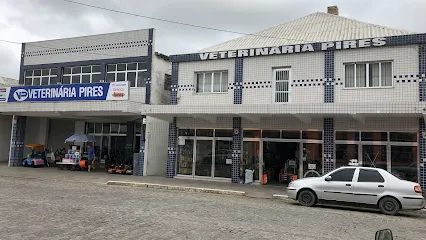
(53, 174)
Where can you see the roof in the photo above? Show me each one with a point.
(316, 27)
(8, 82)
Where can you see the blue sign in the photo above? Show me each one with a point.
(69, 92)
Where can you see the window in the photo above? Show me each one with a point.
(41, 77)
(362, 75)
(135, 73)
(84, 74)
(370, 176)
(281, 85)
(167, 82)
(212, 82)
(344, 175)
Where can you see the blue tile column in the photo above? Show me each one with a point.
(422, 72)
(21, 69)
(329, 145)
(237, 137)
(17, 141)
(173, 131)
(141, 162)
(329, 77)
(422, 154)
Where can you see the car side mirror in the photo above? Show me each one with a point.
(384, 234)
(328, 178)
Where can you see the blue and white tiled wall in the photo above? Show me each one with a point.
(17, 141)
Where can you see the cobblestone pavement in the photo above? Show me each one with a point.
(40, 209)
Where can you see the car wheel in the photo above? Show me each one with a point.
(307, 198)
(389, 206)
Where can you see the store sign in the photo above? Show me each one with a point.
(298, 48)
(115, 91)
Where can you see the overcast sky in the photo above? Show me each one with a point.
(34, 20)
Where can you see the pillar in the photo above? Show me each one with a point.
(422, 154)
(329, 160)
(17, 138)
(172, 150)
(329, 77)
(237, 142)
(139, 165)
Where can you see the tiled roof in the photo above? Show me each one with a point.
(8, 82)
(316, 27)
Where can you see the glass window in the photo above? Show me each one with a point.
(114, 127)
(404, 162)
(131, 77)
(106, 128)
(223, 151)
(142, 66)
(205, 132)
(223, 133)
(312, 157)
(374, 156)
(87, 69)
(203, 164)
(131, 66)
(66, 79)
(53, 80)
(354, 136)
(374, 75)
(370, 176)
(141, 81)
(121, 77)
(186, 132)
(374, 136)
(76, 70)
(343, 175)
(316, 135)
(379, 74)
(138, 127)
(361, 75)
(212, 82)
(290, 134)
(271, 133)
(250, 158)
(36, 81)
(350, 75)
(121, 67)
(403, 137)
(96, 69)
(90, 128)
(29, 73)
(110, 77)
(76, 79)
(37, 72)
(85, 79)
(67, 70)
(281, 85)
(98, 128)
(123, 128)
(96, 78)
(111, 67)
(251, 133)
(53, 71)
(185, 157)
(28, 81)
(344, 153)
(386, 73)
(45, 72)
(45, 81)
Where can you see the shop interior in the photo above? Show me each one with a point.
(280, 158)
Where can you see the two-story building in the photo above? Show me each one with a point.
(94, 85)
(303, 97)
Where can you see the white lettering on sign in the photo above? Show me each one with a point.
(44, 93)
(91, 91)
(266, 51)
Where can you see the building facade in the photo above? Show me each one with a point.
(304, 97)
(94, 85)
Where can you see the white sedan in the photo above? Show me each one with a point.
(359, 186)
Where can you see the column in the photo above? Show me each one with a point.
(422, 154)
(237, 142)
(17, 141)
(329, 160)
(329, 77)
(139, 165)
(172, 150)
(422, 72)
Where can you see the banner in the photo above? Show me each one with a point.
(114, 91)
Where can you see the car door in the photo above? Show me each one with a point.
(339, 187)
(369, 185)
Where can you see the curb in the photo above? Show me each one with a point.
(177, 188)
(281, 197)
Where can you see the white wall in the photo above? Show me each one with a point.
(36, 132)
(160, 67)
(306, 68)
(59, 130)
(405, 63)
(137, 94)
(187, 83)
(156, 147)
(5, 131)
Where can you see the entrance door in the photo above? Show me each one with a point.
(118, 148)
(311, 164)
(251, 158)
(280, 157)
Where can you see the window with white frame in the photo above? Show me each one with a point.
(135, 73)
(212, 82)
(368, 75)
(84, 74)
(282, 78)
(41, 77)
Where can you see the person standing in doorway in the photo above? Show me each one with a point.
(90, 156)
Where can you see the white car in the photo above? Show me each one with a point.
(359, 186)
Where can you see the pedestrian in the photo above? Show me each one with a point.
(90, 156)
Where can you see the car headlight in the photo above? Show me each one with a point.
(291, 184)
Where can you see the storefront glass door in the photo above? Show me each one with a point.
(223, 158)
(250, 160)
(312, 160)
(204, 157)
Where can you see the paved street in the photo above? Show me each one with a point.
(40, 209)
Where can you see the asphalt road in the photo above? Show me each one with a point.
(36, 209)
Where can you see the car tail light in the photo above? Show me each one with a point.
(417, 189)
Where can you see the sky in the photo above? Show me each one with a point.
(36, 20)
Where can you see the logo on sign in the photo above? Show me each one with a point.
(20, 95)
(118, 94)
